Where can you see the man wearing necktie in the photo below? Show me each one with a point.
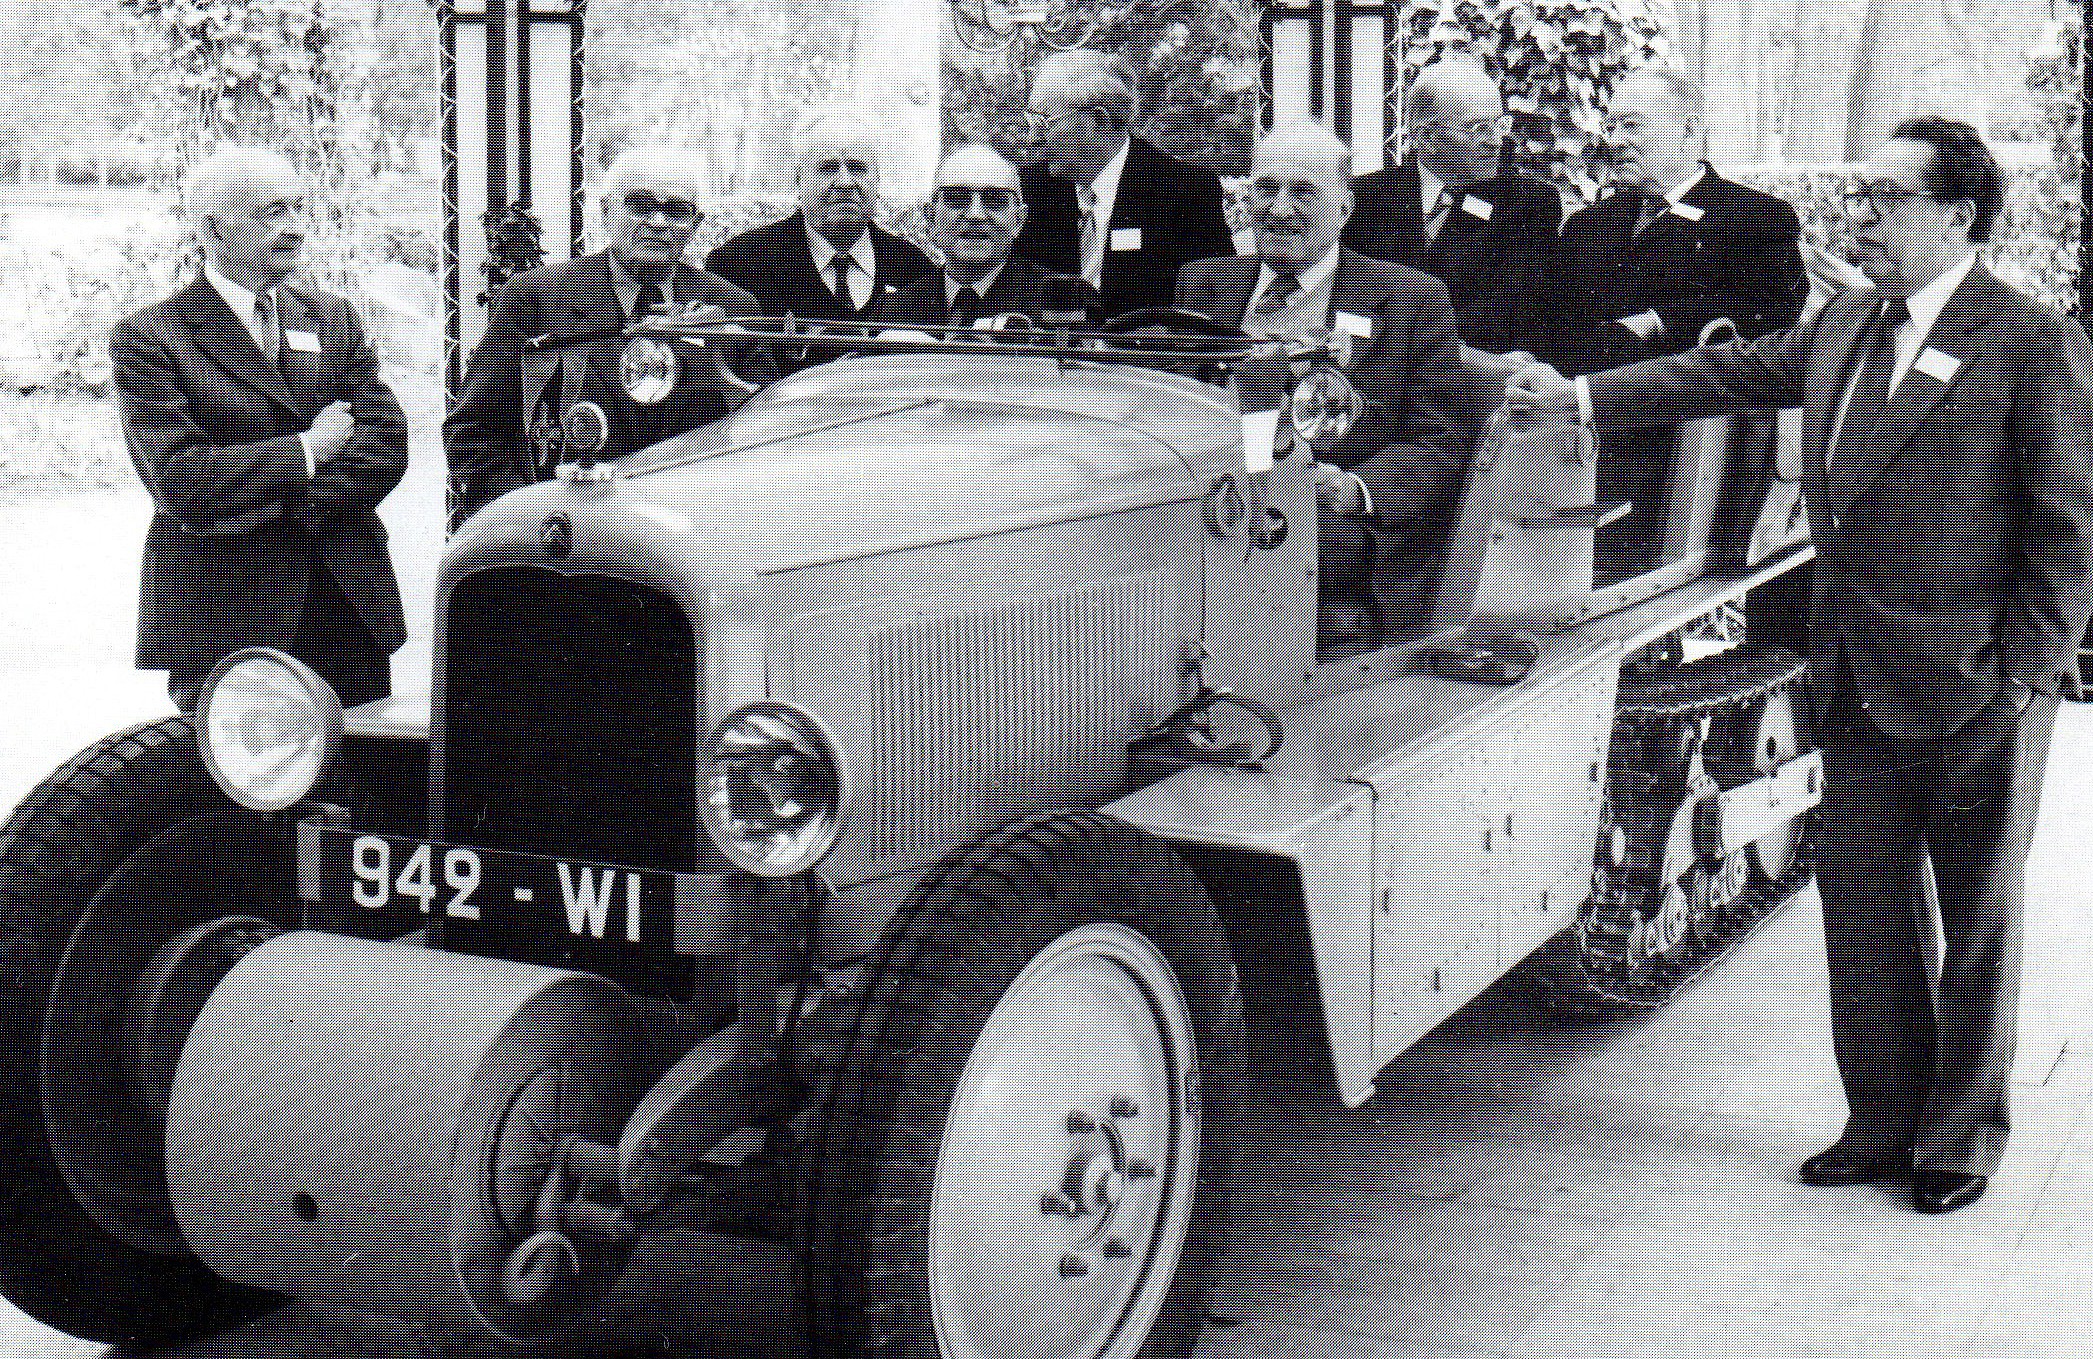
(254, 413)
(1386, 495)
(1452, 209)
(1947, 427)
(976, 212)
(1673, 248)
(650, 210)
(829, 261)
(1102, 204)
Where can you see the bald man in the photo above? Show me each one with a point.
(1456, 212)
(254, 413)
(650, 209)
(1104, 205)
(1387, 495)
(829, 260)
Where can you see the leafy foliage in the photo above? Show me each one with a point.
(2049, 211)
(1198, 65)
(1557, 61)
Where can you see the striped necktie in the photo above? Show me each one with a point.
(1279, 295)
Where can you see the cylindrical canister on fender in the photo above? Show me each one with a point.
(366, 1125)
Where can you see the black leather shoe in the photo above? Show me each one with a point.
(1943, 1191)
(1840, 1164)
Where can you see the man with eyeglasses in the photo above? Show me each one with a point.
(254, 413)
(1673, 248)
(1456, 212)
(828, 261)
(1948, 425)
(650, 210)
(976, 212)
(1105, 205)
(1386, 495)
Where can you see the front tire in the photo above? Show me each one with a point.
(1025, 1151)
(90, 882)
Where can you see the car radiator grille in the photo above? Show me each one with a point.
(569, 728)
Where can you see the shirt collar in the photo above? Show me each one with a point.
(980, 285)
(1429, 187)
(1312, 279)
(240, 299)
(1926, 304)
(1677, 195)
(824, 253)
(1105, 188)
(627, 287)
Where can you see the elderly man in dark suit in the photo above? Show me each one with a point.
(1105, 205)
(976, 211)
(1387, 494)
(1675, 247)
(1452, 211)
(255, 415)
(650, 209)
(792, 266)
(1948, 424)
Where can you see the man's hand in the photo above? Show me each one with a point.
(330, 433)
(1538, 395)
(1831, 273)
(1337, 491)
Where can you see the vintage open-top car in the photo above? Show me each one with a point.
(859, 826)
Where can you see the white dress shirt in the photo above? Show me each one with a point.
(1310, 309)
(1910, 338)
(859, 279)
(241, 300)
(1098, 197)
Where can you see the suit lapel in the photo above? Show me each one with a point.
(592, 303)
(1954, 333)
(1352, 292)
(220, 334)
(1234, 281)
(303, 372)
(1831, 363)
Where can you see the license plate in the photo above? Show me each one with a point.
(499, 889)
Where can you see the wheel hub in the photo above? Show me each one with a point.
(170, 994)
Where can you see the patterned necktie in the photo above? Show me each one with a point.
(1086, 202)
(1871, 391)
(966, 308)
(650, 301)
(271, 338)
(1435, 221)
(1649, 210)
(1279, 296)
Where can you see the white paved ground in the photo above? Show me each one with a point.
(1520, 1187)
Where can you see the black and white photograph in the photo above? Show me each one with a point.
(1045, 679)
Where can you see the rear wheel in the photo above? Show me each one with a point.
(1025, 1151)
(128, 885)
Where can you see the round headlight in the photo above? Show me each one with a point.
(585, 430)
(267, 728)
(648, 370)
(1323, 407)
(775, 792)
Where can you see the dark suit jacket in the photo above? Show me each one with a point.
(237, 526)
(483, 437)
(1176, 207)
(1740, 260)
(1492, 266)
(1956, 548)
(1411, 446)
(772, 263)
(1021, 288)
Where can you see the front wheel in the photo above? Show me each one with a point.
(1025, 1151)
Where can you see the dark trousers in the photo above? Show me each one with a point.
(1927, 1066)
(331, 639)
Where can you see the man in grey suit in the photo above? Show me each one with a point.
(1386, 494)
(1948, 421)
(256, 418)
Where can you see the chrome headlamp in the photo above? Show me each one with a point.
(773, 790)
(1323, 407)
(267, 728)
(649, 370)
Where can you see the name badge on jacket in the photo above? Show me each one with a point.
(304, 341)
(1936, 365)
(1126, 238)
(1476, 207)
